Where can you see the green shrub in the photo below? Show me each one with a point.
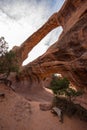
(58, 85)
(61, 86)
(7, 59)
(69, 108)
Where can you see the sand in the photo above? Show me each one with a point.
(18, 113)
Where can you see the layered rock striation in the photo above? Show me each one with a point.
(68, 55)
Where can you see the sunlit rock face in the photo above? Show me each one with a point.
(68, 56)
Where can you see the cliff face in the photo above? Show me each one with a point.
(68, 56)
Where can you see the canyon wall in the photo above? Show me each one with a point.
(67, 56)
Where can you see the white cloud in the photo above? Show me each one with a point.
(20, 18)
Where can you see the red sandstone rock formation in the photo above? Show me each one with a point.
(68, 55)
(17, 113)
(35, 38)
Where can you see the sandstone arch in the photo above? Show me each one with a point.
(68, 55)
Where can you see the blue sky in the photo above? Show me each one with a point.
(20, 18)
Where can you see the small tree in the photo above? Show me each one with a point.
(7, 59)
(61, 86)
(3, 46)
(58, 85)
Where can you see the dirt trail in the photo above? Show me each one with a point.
(17, 113)
(44, 120)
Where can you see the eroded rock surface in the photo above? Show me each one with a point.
(68, 55)
(22, 51)
(17, 113)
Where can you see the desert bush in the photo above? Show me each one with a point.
(7, 58)
(69, 108)
(61, 86)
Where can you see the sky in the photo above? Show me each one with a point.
(20, 18)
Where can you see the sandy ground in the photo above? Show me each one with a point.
(18, 113)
